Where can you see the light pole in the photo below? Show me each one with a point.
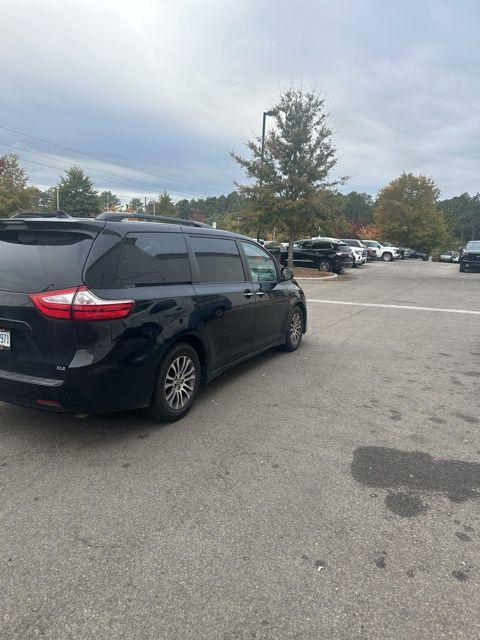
(265, 114)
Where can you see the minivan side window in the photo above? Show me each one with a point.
(154, 258)
(218, 259)
(261, 265)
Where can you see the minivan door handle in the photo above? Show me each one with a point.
(247, 293)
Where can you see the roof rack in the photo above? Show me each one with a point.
(40, 214)
(120, 217)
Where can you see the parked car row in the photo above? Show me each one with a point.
(335, 254)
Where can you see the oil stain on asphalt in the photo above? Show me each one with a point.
(406, 474)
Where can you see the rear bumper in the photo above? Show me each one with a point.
(342, 264)
(85, 390)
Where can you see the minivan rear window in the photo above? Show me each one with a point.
(154, 258)
(35, 261)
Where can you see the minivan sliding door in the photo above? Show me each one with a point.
(224, 300)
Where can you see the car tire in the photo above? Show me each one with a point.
(387, 256)
(354, 265)
(295, 326)
(177, 384)
(324, 265)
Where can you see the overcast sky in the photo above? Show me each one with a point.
(170, 87)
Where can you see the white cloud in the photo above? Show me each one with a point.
(173, 86)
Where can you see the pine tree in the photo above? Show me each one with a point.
(165, 206)
(77, 195)
(109, 201)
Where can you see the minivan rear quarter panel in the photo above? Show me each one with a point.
(37, 257)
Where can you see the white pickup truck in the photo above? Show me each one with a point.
(383, 251)
(359, 251)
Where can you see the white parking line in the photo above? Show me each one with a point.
(395, 306)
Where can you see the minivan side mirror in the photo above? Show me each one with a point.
(287, 274)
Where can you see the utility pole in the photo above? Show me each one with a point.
(154, 207)
(58, 199)
(145, 211)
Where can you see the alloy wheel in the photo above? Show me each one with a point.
(296, 328)
(324, 266)
(179, 382)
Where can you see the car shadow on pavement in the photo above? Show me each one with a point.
(35, 425)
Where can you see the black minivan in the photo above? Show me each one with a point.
(122, 311)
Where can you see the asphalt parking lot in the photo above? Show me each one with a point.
(330, 493)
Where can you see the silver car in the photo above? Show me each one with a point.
(449, 256)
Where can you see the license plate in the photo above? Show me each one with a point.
(5, 342)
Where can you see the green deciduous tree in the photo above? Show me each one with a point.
(226, 211)
(47, 200)
(358, 207)
(407, 213)
(298, 157)
(332, 221)
(183, 208)
(77, 195)
(462, 214)
(15, 195)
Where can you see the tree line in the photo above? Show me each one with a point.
(289, 192)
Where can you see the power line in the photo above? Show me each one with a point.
(49, 166)
(44, 155)
(118, 164)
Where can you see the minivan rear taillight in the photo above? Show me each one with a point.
(80, 304)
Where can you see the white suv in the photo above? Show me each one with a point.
(358, 250)
(384, 252)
